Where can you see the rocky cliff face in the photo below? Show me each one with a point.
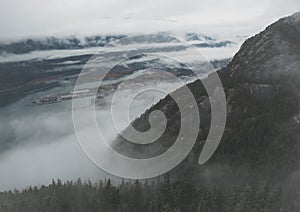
(271, 54)
(262, 134)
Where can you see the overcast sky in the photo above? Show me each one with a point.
(23, 18)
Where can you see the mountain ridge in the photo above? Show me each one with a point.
(261, 118)
(74, 42)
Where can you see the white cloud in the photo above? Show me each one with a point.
(42, 17)
(45, 146)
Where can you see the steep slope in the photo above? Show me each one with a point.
(262, 134)
(273, 53)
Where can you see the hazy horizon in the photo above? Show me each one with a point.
(34, 18)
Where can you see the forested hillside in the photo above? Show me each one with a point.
(256, 166)
(156, 196)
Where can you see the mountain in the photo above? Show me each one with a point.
(270, 54)
(198, 37)
(261, 138)
(256, 166)
(30, 65)
(50, 43)
(76, 42)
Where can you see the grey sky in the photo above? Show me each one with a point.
(20, 18)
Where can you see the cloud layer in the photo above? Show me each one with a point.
(42, 17)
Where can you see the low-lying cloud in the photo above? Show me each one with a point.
(41, 144)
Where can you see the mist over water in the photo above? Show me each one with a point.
(38, 142)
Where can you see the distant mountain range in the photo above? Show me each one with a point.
(33, 64)
(73, 42)
(51, 43)
(256, 166)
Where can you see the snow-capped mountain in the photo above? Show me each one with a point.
(51, 43)
(32, 64)
(73, 42)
